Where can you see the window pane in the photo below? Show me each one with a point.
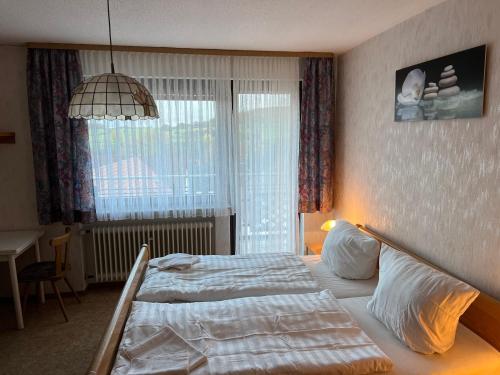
(164, 167)
(267, 151)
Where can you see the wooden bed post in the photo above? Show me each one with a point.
(106, 353)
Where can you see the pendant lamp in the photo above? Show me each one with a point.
(112, 96)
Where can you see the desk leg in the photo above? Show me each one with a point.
(40, 285)
(15, 292)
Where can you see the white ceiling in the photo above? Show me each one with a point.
(287, 25)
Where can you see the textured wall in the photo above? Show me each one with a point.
(17, 180)
(431, 186)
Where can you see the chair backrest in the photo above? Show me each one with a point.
(61, 248)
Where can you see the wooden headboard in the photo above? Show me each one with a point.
(482, 316)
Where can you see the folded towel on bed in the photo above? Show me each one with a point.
(164, 352)
(177, 261)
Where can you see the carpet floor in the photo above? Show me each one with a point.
(49, 345)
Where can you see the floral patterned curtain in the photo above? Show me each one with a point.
(61, 153)
(316, 136)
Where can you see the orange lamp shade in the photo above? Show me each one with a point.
(328, 225)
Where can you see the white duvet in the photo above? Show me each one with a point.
(283, 334)
(218, 277)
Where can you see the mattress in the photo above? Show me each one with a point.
(470, 355)
(221, 277)
(282, 334)
(341, 288)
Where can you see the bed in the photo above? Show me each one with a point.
(279, 334)
(220, 277)
(480, 331)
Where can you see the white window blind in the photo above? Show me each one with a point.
(226, 141)
(266, 131)
(177, 165)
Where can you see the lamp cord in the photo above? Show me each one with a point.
(110, 42)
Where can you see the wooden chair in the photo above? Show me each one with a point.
(50, 271)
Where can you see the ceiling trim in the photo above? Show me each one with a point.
(193, 51)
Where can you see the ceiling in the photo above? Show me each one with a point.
(280, 25)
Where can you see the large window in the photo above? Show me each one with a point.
(226, 142)
(170, 167)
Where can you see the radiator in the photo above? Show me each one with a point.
(115, 246)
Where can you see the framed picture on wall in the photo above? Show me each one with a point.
(450, 87)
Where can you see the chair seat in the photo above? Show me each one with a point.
(40, 271)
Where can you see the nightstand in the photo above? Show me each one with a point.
(314, 248)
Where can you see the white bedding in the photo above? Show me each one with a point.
(470, 355)
(283, 334)
(218, 277)
(341, 288)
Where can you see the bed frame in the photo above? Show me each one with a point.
(106, 353)
(482, 317)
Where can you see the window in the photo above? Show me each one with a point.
(266, 132)
(170, 167)
(226, 141)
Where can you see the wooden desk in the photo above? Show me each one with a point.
(314, 248)
(13, 244)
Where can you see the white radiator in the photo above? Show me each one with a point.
(115, 246)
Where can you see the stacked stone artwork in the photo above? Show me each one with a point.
(447, 83)
(448, 87)
(431, 91)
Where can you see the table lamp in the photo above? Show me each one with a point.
(328, 225)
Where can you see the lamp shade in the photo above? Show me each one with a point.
(328, 225)
(112, 96)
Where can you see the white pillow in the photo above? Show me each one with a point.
(418, 303)
(350, 253)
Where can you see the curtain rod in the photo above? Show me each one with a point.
(193, 51)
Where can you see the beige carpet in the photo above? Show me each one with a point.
(48, 345)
